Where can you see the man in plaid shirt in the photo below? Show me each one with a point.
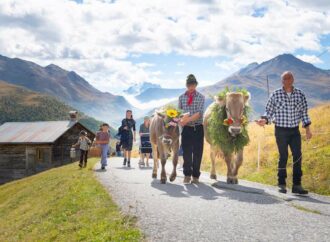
(192, 137)
(285, 108)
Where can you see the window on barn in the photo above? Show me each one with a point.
(43, 155)
(39, 155)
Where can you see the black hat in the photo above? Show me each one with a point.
(191, 79)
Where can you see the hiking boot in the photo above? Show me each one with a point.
(129, 163)
(195, 180)
(187, 180)
(103, 167)
(299, 190)
(282, 188)
(85, 164)
(125, 160)
(80, 165)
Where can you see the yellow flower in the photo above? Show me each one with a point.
(244, 120)
(172, 113)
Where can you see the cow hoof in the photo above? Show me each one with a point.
(172, 178)
(213, 176)
(163, 180)
(154, 175)
(230, 181)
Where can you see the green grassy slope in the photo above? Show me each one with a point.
(21, 104)
(62, 204)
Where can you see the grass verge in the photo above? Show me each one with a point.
(62, 204)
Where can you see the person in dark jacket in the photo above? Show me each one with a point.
(128, 135)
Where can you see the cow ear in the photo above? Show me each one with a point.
(219, 100)
(247, 98)
(160, 114)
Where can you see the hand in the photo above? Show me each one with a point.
(184, 120)
(261, 122)
(308, 133)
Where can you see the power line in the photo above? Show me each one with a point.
(326, 50)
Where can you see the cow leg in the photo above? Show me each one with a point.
(238, 163)
(175, 163)
(155, 157)
(163, 176)
(228, 159)
(213, 174)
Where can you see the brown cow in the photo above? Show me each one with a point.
(164, 141)
(235, 103)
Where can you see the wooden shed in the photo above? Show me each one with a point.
(30, 147)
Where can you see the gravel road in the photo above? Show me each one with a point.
(214, 211)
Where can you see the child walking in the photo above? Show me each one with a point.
(103, 139)
(84, 142)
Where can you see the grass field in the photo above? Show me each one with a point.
(316, 155)
(62, 204)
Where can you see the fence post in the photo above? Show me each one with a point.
(258, 160)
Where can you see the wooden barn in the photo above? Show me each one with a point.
(30, 147)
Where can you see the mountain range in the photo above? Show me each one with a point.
(71, 89)
(138, 88)
(314, 81)
(67, 86)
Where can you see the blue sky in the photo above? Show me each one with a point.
(116, 44)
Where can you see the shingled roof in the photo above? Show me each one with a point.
(33, 132)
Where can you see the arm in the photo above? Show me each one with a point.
(305, 118)
(134, 132)
(269, 114)
(180, 103)
(76, 144)
(306, 122)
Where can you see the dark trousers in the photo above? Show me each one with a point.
(192, 145)
(83, 156)
(289, 137)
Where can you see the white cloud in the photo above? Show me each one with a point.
(148, 105)
(310, 58)
(97, 37)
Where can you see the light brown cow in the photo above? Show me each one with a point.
(235, 103)
(164, 141)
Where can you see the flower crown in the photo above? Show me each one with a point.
(172, 116)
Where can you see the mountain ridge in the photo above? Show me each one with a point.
(65, 85)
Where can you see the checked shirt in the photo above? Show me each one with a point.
(287, 110)
(197, 106)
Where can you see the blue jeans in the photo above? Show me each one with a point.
(104, 154)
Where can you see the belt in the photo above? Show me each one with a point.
(194, 125)
(287, 128)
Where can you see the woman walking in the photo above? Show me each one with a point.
(145, 148)
(103, 139)
(128, 133)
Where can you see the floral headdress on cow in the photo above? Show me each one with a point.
(172, 115)
(219, 124)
